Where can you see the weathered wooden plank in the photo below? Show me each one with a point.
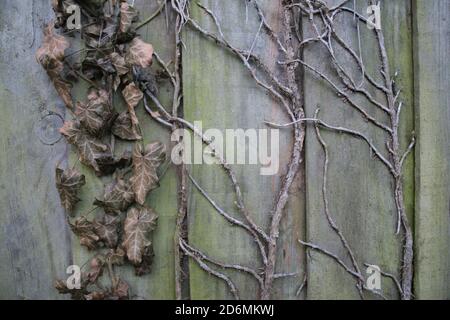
(159, 284)
(38, 244)
(35, 243)
(359, 186)
(432, 97)
(219, 91)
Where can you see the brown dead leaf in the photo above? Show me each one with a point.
(145, 163)
(147, 260)
(125, 129)
(118, 196)
(96, 266)
(133, 96)
(107, 228)
(75, 294)
(121, 290)
(68, 183)
(89, 148)
(97, 113)
(51, 55)
(127, 15)
(140, 53)
(119, 63)
(85, 230)
(138, 225)
(116, 257)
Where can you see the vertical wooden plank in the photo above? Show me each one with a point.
(35, 243)
(432, 96)
(159, 284)
(359, 186)
(219, 91)
(38, 245)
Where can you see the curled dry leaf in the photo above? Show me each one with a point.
(51, 55)
(145, 164)
(96, 266)
(124, 128)
(116, 257)
(121, 290)
(96, 115)
(127, 15)
(90, 149)
(140, 53)
(109, 163)
(119, 63)
(118, 196)
(69, 183)
(107, 228)
(133, 96)
(139, 223)
(145, 266)
(75, 294)
(85, 230)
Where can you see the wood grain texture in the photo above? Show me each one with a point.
(38, 246)
(35, 243)
(159, 284)
(220, 92)
(432, 96)
(360, 191)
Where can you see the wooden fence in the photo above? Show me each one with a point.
(37, 245)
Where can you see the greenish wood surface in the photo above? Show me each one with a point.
(35, 242)
(359, 186)
(159, 284)
(432, 95)
(37, 245)
(219, 91)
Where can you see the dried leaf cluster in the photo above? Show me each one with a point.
(114, 56)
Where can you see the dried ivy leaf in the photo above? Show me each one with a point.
(93, 7)
(108, 230)
(121, 290)
(89, 148)
(118, 196)
(145, 163)
(96, 266)
(96, 115)
(116, 257)
(51, 55)
(75, 294)
(133, 96)
(140, 221)
(106, 65)
(147, 260)
(140, 53)
(128, 15)
(96, 295)
(109, 163)
(119, 63)
(68, 183)
(85, 230)
(124, 128)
